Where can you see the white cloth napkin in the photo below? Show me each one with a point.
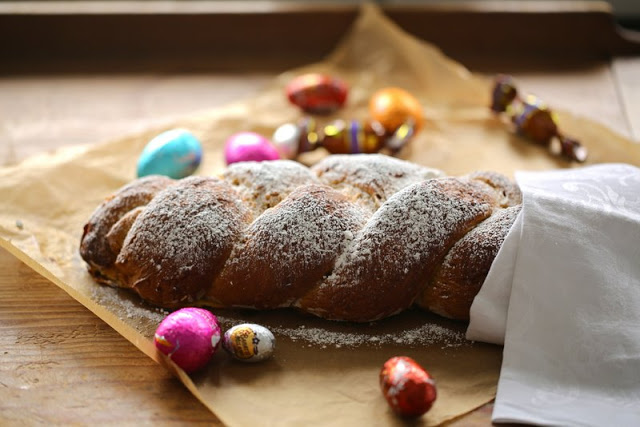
(564, 295)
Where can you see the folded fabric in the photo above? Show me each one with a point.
(563, 295)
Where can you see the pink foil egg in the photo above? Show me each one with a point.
(249, 146)
(189, 337)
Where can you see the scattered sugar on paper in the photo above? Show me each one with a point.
(142, 315)
(424, 335)
(427, 334)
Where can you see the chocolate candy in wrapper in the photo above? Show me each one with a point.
(189, 336)
(353, 137)
(317, 93)
(408, 388)
(503, 95)
(291, 139)
(249, 342)
(401, 136)
(535, 121)
(309, 135)
(175, 153)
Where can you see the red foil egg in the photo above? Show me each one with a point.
(408, 388)
(317, 93)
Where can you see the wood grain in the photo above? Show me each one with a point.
(42, 113)
(626, 73)
(60, 364)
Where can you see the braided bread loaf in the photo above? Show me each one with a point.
(356, 237)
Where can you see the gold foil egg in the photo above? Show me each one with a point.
(393, 107)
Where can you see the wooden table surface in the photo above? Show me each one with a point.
(59, 363)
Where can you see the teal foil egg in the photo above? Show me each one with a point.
(175, 153)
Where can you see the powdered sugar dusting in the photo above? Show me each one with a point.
(303, 234)
(183, 224)
(181, 235)
(94, 246)
(265, 184)
(409, 232)
(423, 336)
(141, 316)
(308, 224)
(484, 241)
(371, 335)
(354, 238)
(370, 179)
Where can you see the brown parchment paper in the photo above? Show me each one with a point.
(45, 201)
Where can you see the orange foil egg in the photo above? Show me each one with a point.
(393, 107)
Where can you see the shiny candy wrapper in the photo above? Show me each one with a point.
(286, 139)
(533, 120)
(401, 136)
(393, 106)
(408, 388)
(189, 337)
(353, 137)
(292, 139)
(249, 342)
(317, 93)
(175, 153)
(249, 147)
(504, 94)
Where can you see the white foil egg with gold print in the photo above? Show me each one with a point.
(249, 342)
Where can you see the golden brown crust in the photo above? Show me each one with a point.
(304, 234)
(95, 248)
(176, 246)
(117, 233)
(508, 191)
(461, 274)
(355, 238)
(399, 246)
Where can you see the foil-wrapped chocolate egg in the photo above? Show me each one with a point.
(249, 147)
(249, 342)
(408, 388)
(286, 139)
(393, 107)
(189, 337)
(175, 153)
(317, 93)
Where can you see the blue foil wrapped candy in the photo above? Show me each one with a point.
(175, 153)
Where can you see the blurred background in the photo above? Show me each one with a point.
(80, 71)
(626, 12)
